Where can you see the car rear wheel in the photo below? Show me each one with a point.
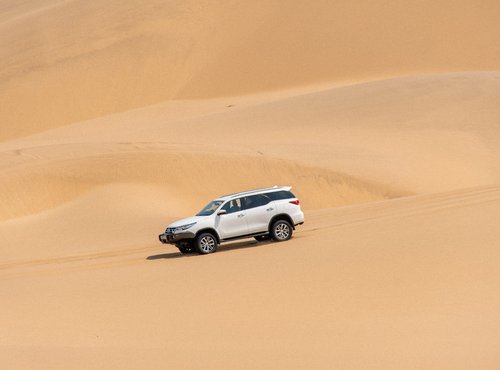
(281, 231)
(206, 243)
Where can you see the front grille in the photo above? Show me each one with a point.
(169, 230)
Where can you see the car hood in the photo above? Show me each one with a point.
(188, 220)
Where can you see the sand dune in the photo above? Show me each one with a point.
(362, 142)
(403, 283)
(66, 61)
(117, 118)
(379, 282)
(112, 198)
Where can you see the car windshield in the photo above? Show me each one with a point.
(210, 208)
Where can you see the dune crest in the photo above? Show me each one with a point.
(189, 180)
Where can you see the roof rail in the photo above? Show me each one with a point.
(256, 191)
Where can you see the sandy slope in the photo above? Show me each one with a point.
(66, 61)
(409, 283)
(337, 146)
(119, 117)
(400, 283)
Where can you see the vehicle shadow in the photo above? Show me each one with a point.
(221, 249)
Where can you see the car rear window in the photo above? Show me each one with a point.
(254, 201)
(282, 194)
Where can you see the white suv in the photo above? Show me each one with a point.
(261, 214)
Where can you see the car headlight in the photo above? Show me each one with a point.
(183, 227)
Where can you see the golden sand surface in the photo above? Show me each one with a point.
(118, 117)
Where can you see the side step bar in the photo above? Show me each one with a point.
(244, 236)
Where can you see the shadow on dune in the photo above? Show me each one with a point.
(221, 249)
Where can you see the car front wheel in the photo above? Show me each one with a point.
(185, 247)
(281, 231)
(206, 243)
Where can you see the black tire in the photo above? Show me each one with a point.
(185, 247)
(262, 238)
(206, 243)
(281, 231)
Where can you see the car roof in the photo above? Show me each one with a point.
(254, 192)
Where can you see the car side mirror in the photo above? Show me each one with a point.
(221, 212)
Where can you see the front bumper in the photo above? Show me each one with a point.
(173, 238)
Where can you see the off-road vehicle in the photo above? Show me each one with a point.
(270, 213)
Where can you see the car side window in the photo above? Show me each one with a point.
(232, 206)
(254, 201)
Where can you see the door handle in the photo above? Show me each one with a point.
(269, 209)
(241, 215)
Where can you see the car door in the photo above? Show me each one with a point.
(259, 211)
(233, 223)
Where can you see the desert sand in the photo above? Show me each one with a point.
(117, 118)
